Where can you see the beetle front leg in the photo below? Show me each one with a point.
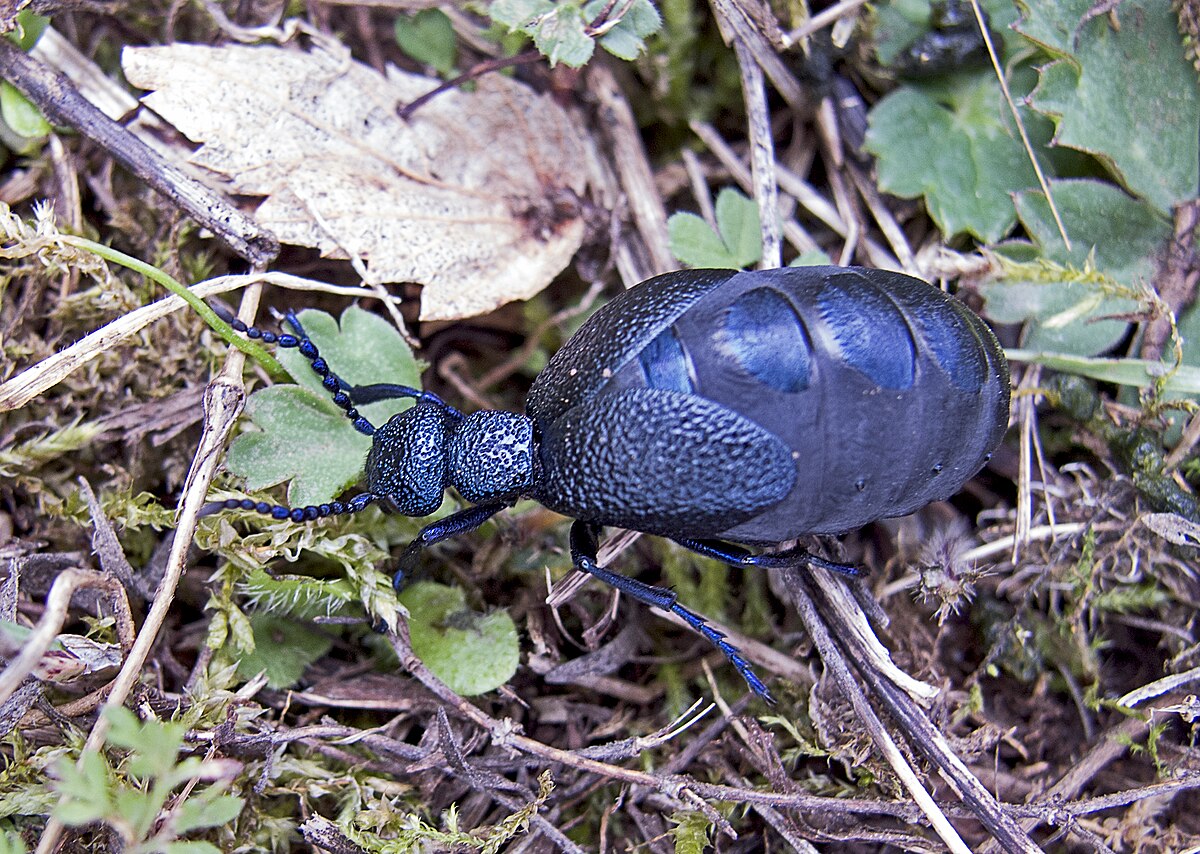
(584, 545)
(735, 555)
(443, 529)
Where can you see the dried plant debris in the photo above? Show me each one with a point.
(475, 196)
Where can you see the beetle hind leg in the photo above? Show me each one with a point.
(584, 544)
(735, 555)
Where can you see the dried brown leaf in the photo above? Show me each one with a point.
(474, 197)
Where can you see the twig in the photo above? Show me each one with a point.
(52, 370)
(629, 158)
(921, 732)
(824, 19)
(738, 31)
(58, 602)
(223, 402)
(1008, 99)
(797, 586)
(60, 101)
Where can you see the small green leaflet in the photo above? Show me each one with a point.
(472, 653)
(737, 242)
(560, 30)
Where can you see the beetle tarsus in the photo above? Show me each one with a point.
(584, 543)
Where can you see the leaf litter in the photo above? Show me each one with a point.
(475, 197)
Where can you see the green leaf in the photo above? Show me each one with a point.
(86, 790)
(627, 38)
(428, 37)
(1138, 373)
(204, 810)
(740, 227)
(283, 648)
(29, 29)
(1127, 95)
(558, 30)
(736, 244)
(11, 843)
(302, 436)
(953, 143)
(22, 117)
(190, 847)
(1065, 296)
(691, 832)
(472, 653)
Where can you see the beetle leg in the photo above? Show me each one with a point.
(584, 544)
(735, 555)
(456, 523)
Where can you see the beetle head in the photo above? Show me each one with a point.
(407, 463)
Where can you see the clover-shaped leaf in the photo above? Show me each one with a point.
(736, 242)
(473, 653)
(301, 435)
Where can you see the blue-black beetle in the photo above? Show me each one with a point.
(705, 406)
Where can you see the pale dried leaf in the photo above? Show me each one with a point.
(475, 197)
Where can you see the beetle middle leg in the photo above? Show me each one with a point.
(584, 545)
(735, 555)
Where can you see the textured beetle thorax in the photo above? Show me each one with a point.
(492, 456)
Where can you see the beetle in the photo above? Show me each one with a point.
(720, 409)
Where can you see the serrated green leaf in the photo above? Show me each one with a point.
(691, 832)
(518, 14)
(472, 653)
(626, 39)
(203, 810)
(737, 244)
(695, 243)
(1116, 241)
(86, 789)
(561, 36)
(302, 436)
(283, 648)
(953, 144)
(428, 37)
(1135, 107)
(22, 117)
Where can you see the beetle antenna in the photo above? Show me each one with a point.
(335, 385)
(296, 514)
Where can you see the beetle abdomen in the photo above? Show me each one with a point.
(888, 393)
